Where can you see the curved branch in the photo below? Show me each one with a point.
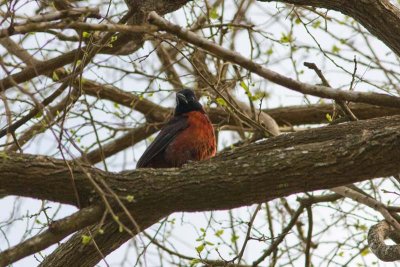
(376, 240)
(323, 158)
(228, 55)
(368, 201)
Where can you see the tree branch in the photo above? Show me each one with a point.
(324, 158)
(376, 240)
(56, 232)
(43, 26)
(316, 114)
(228, 55)
(91, 12)
(329, 156)
(377, 16)
(368, 201)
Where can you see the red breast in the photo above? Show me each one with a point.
(196, 142)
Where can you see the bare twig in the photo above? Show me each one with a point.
(368, 201)
(325, 82)
(56, 232)
(321, 91)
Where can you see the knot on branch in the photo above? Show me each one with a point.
(376, 240)
(10, 30)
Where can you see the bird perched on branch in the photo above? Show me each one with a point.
(188, 136)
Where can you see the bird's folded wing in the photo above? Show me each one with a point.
(163, 139)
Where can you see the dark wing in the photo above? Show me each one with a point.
(163, 139)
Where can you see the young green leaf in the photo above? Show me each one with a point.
(86, 239)
(200, 248)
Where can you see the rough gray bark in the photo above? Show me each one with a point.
(316, 114)
(325, 157)
(57, 231)
(376, 240)
(127, 44)
(74, 253)
(310, 160)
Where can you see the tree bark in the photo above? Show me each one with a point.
(377, 235)
(309, 160)
(316, 114)
(323, 158)
(236, 58)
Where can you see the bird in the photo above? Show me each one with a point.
(187, 136)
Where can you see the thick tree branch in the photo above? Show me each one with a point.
(314, 159)
(295, 115)
(376, 240)
(56, 232)
(74, 253)
(329, 157)
(43, 26)
(316, 114)
(228, 55)
(308, 160)
(92, 12)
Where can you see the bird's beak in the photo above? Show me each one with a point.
(181, 98)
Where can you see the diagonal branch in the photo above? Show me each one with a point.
(228, 55)
(56, 232)
(324, 158)
(368, 201)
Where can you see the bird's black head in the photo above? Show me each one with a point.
(186, 101)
